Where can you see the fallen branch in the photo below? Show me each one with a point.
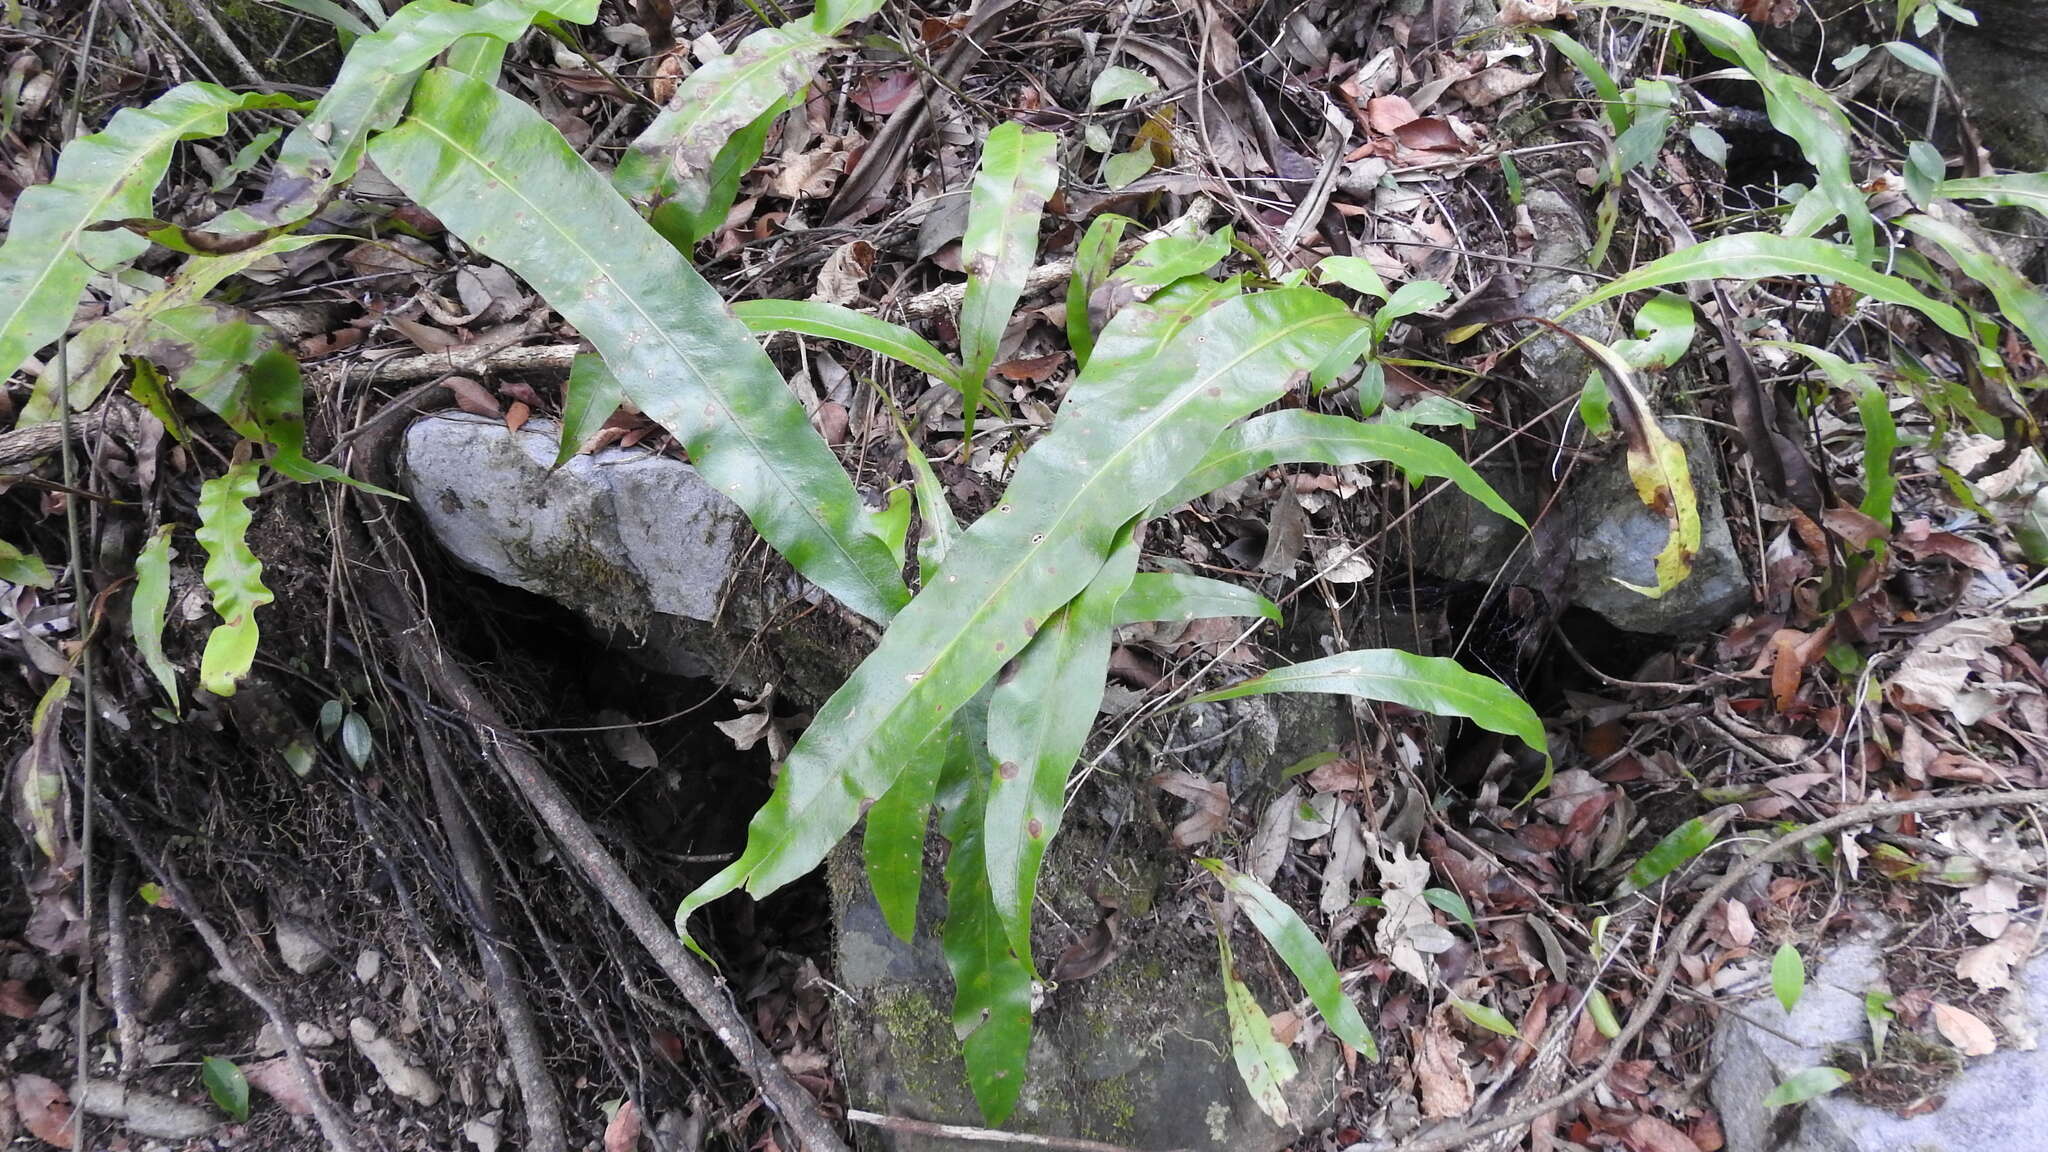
(982, 1135)
(1681, 939)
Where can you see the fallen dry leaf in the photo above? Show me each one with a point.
(16, 1002)
(1935, 675)
(1650, 1134)
(1269, 844)
(1441, 1073)
(473, 397)
(1383, 114)
(1212, 806)
(1990, 966)
(623, 1133)
(44, 1109)
(1346, 864)
(1971, 1036)
(1532, 11)
(275, 1079)
(1492, 84)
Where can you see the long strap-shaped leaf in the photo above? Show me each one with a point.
(837, 322)
(1174, 596)
(2022, 304)
(1754, 255)
(505, 181)
(1432, 684)
(369, 94)
(1037, 722)
(110, 175)
(1019, 173)
(1024, 560)
(1301, 952)
(1297, 437)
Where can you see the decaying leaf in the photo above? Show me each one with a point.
(1407, 927)
(1212, 806)
(1440, 1071)
(1971, 1035)
(1262, 1061)
(1990, 966)
(1935, 675)
(1346, 863)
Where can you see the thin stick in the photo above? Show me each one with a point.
(332, 1126)
(982, 1135)
(1680, 940)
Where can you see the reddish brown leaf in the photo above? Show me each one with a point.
(44, 1109)
(1212, 806)
(15, 1000)
(1649, 1134)
(276, 1079)
(1383, 114)
(1035, 369)
(1429, 134)
(473, 397)
(883, 92)
(623, 1133)
(517, 415)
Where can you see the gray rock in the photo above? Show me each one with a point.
(1556, 365)
(147, 1114)
(666, 540)
(299, 945)
(1616, 538)
(638, 544)
(1997, 1104)
(1136, 1054)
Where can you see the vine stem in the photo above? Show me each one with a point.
(1674, 950)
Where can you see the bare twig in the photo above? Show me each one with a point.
(121, 972)
(537, 1095)
(911, 1127)
(333, 1127)
(1681, 939)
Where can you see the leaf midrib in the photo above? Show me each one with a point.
(883, 594)
(1002, 584)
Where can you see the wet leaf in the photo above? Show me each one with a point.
(226, 1084)
(1262, 1061)
(502, 178)
(1039, 718)
(1294, 436)
(369, 93)
(1788, 976)
(233, 575)
(589, 398)
(1303, 954)
(51, 252)
(1148, 410)
(1432, 684)
(1806, 1085)
(1019, 173)
(148, 607)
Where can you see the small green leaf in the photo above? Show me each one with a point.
(1915, 57)
(1117, 83)
(1924, 170)
(1877, 1010)
(1671, 853)
(1303, 954)
(1173, 257)
(153, 894)
(226, 1084)
(1806, 1085)
(588, 400)
(149, 606)
(1451, 904)
(1602, 1012)
(1485, 1017)
(1019, 173)
(1262, 1061)
(1354, 272)
(356, 741)
(1709, 144)
(1123, 169)
(1410, 298)
(18, 567)
(233, 575)
(1788, 975)
(1433, 684)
